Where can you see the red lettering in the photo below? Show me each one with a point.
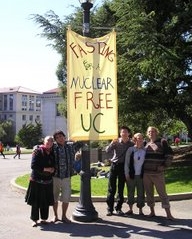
(77, 95)
(108, 101)
(103, 101)
(89, 48)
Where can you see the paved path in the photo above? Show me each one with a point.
(15, 222)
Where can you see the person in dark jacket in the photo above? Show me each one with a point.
(40, 190)
(118, 147)
(18, 151)
(133, 167)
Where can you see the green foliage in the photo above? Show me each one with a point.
(6, 131)
(29, 135)
(99, 144)
(154, 57)
(154, 65)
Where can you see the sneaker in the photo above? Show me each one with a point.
(119, 213)
(109, 213)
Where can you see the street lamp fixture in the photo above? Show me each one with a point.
(86, 5)
(85, 211)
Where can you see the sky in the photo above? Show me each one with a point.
(25, 58)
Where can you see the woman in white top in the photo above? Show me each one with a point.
(133, 168)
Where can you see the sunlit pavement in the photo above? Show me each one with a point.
(16, 224)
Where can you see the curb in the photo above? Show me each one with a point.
(172, 197)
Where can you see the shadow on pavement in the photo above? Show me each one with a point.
(103, 228)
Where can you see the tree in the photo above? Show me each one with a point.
(29, 135)
(6, 131)
(155, 57)
(154, 44)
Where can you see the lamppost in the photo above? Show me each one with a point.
(86, 5)
(85, 211)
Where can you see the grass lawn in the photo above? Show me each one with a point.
(178, 180)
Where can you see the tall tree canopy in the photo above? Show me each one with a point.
(154, 45)
(155, 57)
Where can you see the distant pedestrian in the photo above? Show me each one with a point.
(177, 141)
(2, 149)
(7, 147)
(18, 151)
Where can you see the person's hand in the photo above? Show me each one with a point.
(49, 169)
(52, 170)
(114, 141)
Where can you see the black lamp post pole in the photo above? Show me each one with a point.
(85, 211)
(86, 17)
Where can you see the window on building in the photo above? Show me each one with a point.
(24, 103)
(24, 117)
(11, 102)
(31, 102)
(4, 117)
(31, 117)
(38, 117)
(5, 102)
(38, 103)
(57, 110)
(1, 105)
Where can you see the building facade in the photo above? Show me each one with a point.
(51, 117)
(24, 106)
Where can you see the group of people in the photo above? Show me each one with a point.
(17, 150)
(50, 180)
(140, 165)
(137, 164)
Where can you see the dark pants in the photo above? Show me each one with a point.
(44, 213)
(2, 154)
(116, 173)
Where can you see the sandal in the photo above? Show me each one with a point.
(34, 224)
(141, 212)
(151, 215)
(130, 212)
(171, 218)
(44, 222)
(66, 220)
(55, 219)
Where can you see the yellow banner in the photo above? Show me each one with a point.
(91, 87)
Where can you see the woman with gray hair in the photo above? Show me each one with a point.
(40, 190)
